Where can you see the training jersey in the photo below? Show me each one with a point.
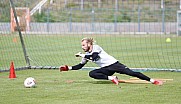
(104, 60)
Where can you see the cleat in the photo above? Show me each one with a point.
(115, 80)
(157, 82)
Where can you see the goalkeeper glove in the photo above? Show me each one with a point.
(64, 68)
(79, 54)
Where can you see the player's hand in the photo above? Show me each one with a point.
(64, 68)
(79, 54)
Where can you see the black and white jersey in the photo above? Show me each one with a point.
(104, 58)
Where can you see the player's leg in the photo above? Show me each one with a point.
(100, 73)
(105, 74)
(122, 69)
(139, 75)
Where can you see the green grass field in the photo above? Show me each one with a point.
(75, 87)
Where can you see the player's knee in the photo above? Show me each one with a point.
(92, 74)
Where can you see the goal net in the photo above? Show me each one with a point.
(140, 34)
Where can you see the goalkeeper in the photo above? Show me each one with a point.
(108, 64)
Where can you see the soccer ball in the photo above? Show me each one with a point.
(29, 82)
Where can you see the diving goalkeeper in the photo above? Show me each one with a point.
(108, 64)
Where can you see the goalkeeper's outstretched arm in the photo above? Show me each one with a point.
(77, 67)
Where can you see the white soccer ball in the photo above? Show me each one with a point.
(29, 82)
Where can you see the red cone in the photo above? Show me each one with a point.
(12, 71)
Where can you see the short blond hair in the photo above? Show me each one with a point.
(89, 40)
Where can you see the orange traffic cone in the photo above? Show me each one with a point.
(12, 71)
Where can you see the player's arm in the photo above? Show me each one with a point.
(94, 56)
(80, 65)
(75, 67)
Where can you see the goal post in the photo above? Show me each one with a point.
(179, 23)
(23, 17)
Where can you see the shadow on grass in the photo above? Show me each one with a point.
(93, 82)
(100, 82)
